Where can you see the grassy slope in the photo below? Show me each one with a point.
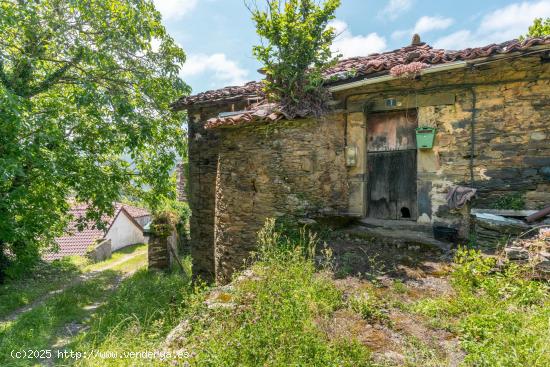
(137, 317)
(275, 318)
(47, 277)
(35, 329)
(117, 256)
(277, 322)
(502, 319)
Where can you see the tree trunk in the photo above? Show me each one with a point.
(3, 262)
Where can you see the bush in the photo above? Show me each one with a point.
(513, 201)
(277, 240)
(296, 52)
(501, 317)
(274, 318)
(181, 212)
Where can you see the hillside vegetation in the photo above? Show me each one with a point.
(298, 305)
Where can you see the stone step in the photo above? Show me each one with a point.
(399, 225)
(401, 236)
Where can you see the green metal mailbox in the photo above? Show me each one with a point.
(425, 137)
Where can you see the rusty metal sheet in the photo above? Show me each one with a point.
(391, 131)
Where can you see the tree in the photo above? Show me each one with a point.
(296, 53)
(540, 28)
(85, 88)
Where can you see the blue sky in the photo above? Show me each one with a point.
(218, 35)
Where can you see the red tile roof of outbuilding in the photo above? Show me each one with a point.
(76, 242)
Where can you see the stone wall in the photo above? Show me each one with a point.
(202, 184)
(292, 167)
(100, 251)
(511, 133)
(161, 251)
(181, 177)
(203, 161)
(241, 175)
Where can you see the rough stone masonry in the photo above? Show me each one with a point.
(490, 106)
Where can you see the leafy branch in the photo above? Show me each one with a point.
(295, 52)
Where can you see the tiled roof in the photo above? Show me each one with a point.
(76, 242)
(134, 211)
(357, 67)
(251, 90)
(267, 112)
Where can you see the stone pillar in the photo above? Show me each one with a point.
(203, 156)
(181, 173)
(357, 139)
(162, 242)
(241, 209)
(158, 253)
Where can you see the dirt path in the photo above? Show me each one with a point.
(69, 331)
(81, 278)
(398, 336)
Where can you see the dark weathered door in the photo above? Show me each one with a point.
(391, 160)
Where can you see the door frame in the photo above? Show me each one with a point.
(367, 196)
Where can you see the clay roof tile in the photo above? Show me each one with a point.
(354, 67)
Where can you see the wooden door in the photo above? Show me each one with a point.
(391, 160)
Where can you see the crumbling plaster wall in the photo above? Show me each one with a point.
(511, 122)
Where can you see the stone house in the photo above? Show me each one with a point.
(490, 107)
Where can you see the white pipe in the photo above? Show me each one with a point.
(386, 78)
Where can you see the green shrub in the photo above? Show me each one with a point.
(472, 268)
(369, 307)
(276, 314)
(513, 201)
(279, 241)
(399, 287)
(501, 316)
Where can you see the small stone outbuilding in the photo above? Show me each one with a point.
(490, 107)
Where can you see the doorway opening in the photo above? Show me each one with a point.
(392, 167)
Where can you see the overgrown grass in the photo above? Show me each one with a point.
(35, 329)
(502, 318)
(137, 317)
(44, 278)
(275, 318)
(47, 277)
(135, 263)
(116, 256)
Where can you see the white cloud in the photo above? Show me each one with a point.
(425, 25)
(500, 25)
(349, 45)
(222, 70)
(395, 8)
(174, 9)
(514, 19)
(456, 41)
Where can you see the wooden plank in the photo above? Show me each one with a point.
(504, 212)
(538, 215)
(381, 203)
(379, 104)
(391, 131)
(404, 180)
(392, 185)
